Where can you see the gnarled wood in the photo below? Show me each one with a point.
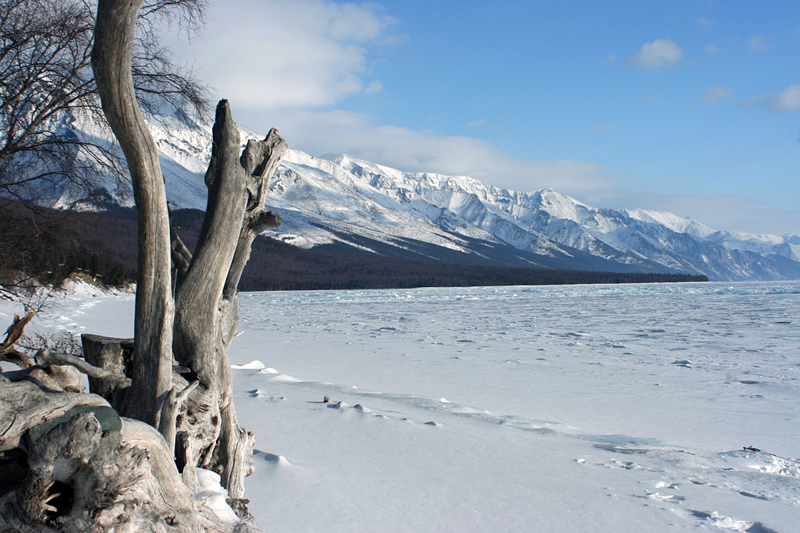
(197, 330)
(169, 413)
(114, 377)
(181, 257)
(111, 353)
(80, 467)
(260, 160)
(13, 334)
(207, 299)
(111, 61)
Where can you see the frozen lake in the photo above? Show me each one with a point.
(571, 408)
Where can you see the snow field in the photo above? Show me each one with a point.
(605, 408)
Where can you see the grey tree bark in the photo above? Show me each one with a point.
(111, 61)
(176, 380)
(206, 430)
(206, 315)
(69, 462)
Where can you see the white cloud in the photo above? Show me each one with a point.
(475, 124)
(753, 100)
(609, 60)
(715, 95)
(319, 132)
(712, 49)
(757, 44)
(660, 53)
(785, 101)
(375, 86)
(717, 211)
(287, 53)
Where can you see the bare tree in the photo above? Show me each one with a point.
(176, 376)
(46, 83)
(198, 326)
(46, 77)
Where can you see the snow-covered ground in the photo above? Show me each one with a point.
(581, 408)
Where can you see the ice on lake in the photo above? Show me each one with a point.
(581, 408)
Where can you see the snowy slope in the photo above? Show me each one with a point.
(372, 206)
(638, 238)
(605, 408)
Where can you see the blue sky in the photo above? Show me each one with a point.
(686, 106)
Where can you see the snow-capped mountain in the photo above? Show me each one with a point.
(432, 216)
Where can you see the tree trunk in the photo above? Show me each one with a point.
(199, 324)
(111, 61)
(69, 462)
(207, 300)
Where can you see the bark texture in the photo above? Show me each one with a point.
(207, 300)
(111, 61)
(204, 316)
(126, 459)
(198, 418)
(7, 350)
(69, 462)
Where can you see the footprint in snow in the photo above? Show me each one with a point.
(729, 523)
(666, 497)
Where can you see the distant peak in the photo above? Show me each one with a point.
(336, 158)
(551, 195)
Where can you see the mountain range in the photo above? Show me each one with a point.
(420, 215)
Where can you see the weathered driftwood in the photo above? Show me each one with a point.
(111, 60)
(83, 465)
(186, 304)
(13, 334)
(207, 300)
(203, 427)
(68, 462)
(113, 354)
(169, 413)
(47, 372)
(46, 358)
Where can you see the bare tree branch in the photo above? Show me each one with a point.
(13, 334)
(46, 358)
(46, 79)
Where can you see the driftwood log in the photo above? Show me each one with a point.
(69, 462)
(115, 31)
(125, 457)
(194, 330)
(7, 350)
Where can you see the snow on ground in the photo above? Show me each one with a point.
(583, 408)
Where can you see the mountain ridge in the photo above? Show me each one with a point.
(343, 199)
